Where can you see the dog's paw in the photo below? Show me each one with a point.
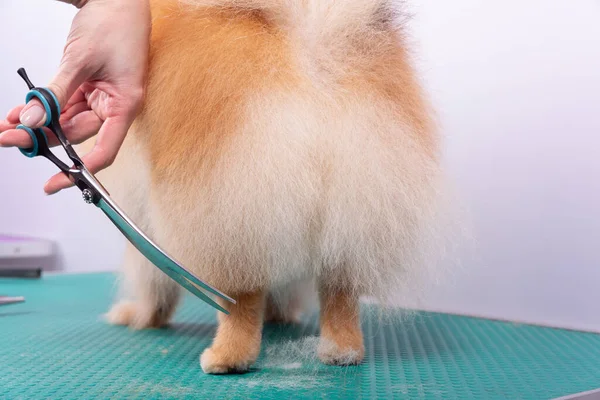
(226, 360)
(352, 352)
(135, 316)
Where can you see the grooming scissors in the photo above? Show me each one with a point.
(94, 193)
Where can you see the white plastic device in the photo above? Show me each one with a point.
(15, 247)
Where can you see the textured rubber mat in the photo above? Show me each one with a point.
(56, 346)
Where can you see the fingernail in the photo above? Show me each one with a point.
(33, 117)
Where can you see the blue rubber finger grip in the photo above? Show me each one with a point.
(36, 94)
(35, 149)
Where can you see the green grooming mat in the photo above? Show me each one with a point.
(56, 346)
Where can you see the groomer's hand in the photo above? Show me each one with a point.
(99, 83)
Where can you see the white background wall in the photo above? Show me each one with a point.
(517, 87)
(32, 35)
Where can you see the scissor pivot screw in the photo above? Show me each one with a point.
(88, 197)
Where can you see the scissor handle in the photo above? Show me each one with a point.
(40, 147)
(40, 142)
(45, 96)
(51, 107)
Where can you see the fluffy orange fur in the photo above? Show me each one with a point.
(281, 142)
(203, 67)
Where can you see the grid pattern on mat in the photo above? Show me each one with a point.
(56, 346)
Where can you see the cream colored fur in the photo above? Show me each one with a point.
(319, 182)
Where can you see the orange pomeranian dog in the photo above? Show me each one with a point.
(283, 145)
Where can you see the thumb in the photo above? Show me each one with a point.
(65, 83)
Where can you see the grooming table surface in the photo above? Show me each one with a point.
(56, 346)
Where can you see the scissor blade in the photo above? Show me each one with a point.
(197, 292)
(158, 257)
